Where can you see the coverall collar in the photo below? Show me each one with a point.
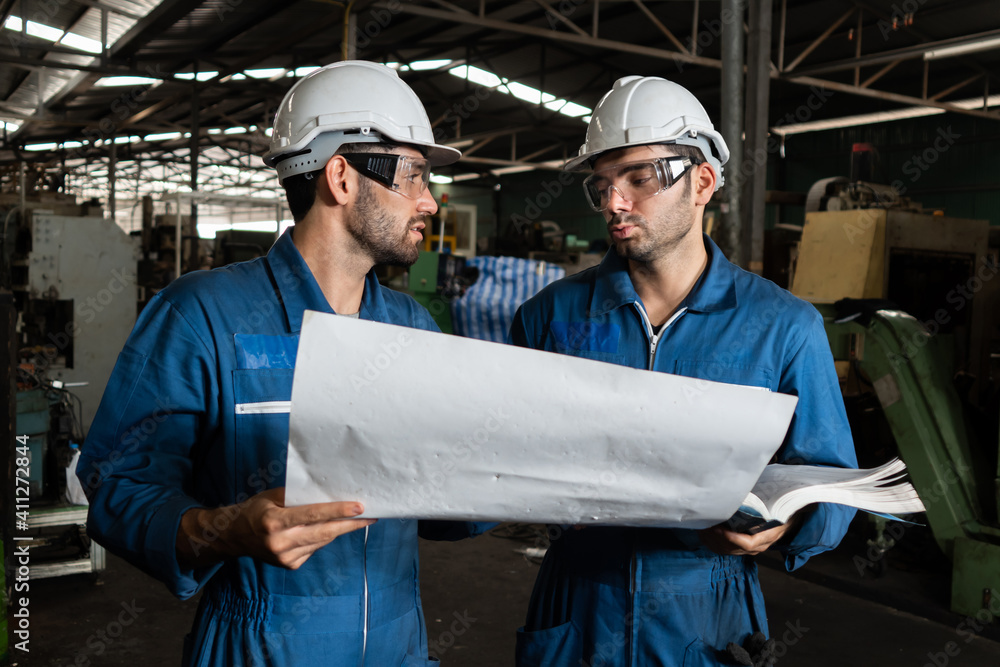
(298, 290)
(715, 289)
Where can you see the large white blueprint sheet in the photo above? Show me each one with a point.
(424, 425)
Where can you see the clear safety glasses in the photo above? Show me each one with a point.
(400, 173)
(635, 181)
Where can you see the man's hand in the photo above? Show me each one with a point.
(264, 529)
(729, 543)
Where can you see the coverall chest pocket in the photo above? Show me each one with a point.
(263, 401)
(588, 340)
(747, 375)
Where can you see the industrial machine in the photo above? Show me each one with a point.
(73, 279)
(439, 274)
(912, 314)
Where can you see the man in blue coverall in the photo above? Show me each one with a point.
(666, 299)
(185, 463)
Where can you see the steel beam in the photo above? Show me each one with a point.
(33, 64)
(666, 31)
(694, 28)
(958, 86)
(882, 57)
(879, 74)
(857, 46)
(819, 40)
(781, 35)
(110, 8)
(504, 26)
(559, 16)
(555, 165)
(891, 97)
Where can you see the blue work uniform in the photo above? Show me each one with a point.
(618, 596)
(196, 415)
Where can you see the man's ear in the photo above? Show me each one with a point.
(704, 180)
(338, 183)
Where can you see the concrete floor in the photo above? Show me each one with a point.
(475, 593)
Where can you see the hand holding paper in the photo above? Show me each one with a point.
(263, 528)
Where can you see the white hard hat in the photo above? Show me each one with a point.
(353, 101)
(650, 110)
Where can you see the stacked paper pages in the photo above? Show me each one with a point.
(782, 490)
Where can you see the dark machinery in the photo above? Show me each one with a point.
(911, 311)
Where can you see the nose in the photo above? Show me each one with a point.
(616, 201)
(426, 203)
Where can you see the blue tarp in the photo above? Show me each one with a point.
(487, 308)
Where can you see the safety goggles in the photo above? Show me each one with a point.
(635, 181)
(403, 174)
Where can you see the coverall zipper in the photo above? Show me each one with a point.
(364, 629)
(654, 339)
(264, 408)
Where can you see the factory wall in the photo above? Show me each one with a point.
(946, 161)
(526, 198)
(549, 195)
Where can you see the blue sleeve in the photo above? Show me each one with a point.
(518, 334)
(136, 464)
(819, 435)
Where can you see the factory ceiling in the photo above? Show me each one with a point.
(511, 83)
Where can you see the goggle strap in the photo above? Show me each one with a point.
(375, 165)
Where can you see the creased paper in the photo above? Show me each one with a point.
(424, 425)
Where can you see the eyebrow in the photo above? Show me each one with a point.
(634, 167)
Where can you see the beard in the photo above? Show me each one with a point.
(652, 240)
(378, 233)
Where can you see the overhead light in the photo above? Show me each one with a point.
(528, 94)
(476, 75)
(517, 169)
(163, 136)
(80, 42)
(197, 76)
(420, 65)
(10, 127)
(962, 49)
(43, 31)
(303, 71)
(441, 179)
(109, 81)
(39, 147)
(880, 117)
(265, 73)
(521, 91)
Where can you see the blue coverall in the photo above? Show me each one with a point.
(614, 596)
(196, 415)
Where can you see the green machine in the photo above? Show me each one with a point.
(918, 328)
(435, 279)
(426, 290)
(957, 478)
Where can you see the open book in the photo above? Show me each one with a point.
(782, 490)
